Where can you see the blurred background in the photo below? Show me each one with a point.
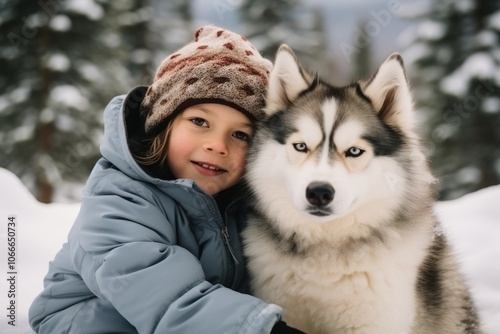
(61, 61)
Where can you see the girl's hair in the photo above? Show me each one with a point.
(151, 153)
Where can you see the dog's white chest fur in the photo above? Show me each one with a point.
(367, 290)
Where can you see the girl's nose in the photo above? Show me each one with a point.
(217, 145)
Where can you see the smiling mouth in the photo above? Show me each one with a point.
(209, 166)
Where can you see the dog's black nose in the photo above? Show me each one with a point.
(320, 193)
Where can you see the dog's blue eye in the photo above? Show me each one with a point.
(354, 152)
(300, 147)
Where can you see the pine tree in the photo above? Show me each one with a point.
(131, 22)
(478, 134)
(62, 63)
(171, 28)
(58, 73)
(271, 23)
(362, 58)
(150, 31)
(442, 50)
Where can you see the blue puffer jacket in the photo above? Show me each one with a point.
(147, 255)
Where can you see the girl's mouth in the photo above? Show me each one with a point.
(209, 166)
(208, 169)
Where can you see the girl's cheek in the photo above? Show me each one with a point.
(241, 161)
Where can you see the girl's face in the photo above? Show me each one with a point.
(208, 144)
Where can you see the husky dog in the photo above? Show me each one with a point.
(342, 233)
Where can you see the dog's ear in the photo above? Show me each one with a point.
(288, 79)
(390, 94)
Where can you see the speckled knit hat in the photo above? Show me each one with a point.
(219, 66)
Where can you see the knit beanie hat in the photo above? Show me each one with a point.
(219, 66)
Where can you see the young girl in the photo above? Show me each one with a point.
(155, 247)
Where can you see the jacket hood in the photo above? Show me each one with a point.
(121, 121)
(120, 115)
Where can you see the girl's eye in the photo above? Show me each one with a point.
(354, 152)
(242, 136)
(300, 147)
(199, 121)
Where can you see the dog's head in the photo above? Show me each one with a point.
(327, 151)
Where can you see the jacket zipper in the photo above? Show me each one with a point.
(229, 250)
(225, 234)
(231, 272)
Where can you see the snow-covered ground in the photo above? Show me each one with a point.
(471, 222)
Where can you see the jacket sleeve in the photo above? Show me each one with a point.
(127, 254)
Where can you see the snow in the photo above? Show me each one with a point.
(69, 96)
(465, 6)
(140, 56)
(479, 65)
(4, 103)
(472, 224)
(89, 71)
(491, 105)
(58, 62)
(431, 30)
(486, 39)
(22, 133)
(60, 23)
(88, 8)
(41, 230)
(494, 21)
(19, 94)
